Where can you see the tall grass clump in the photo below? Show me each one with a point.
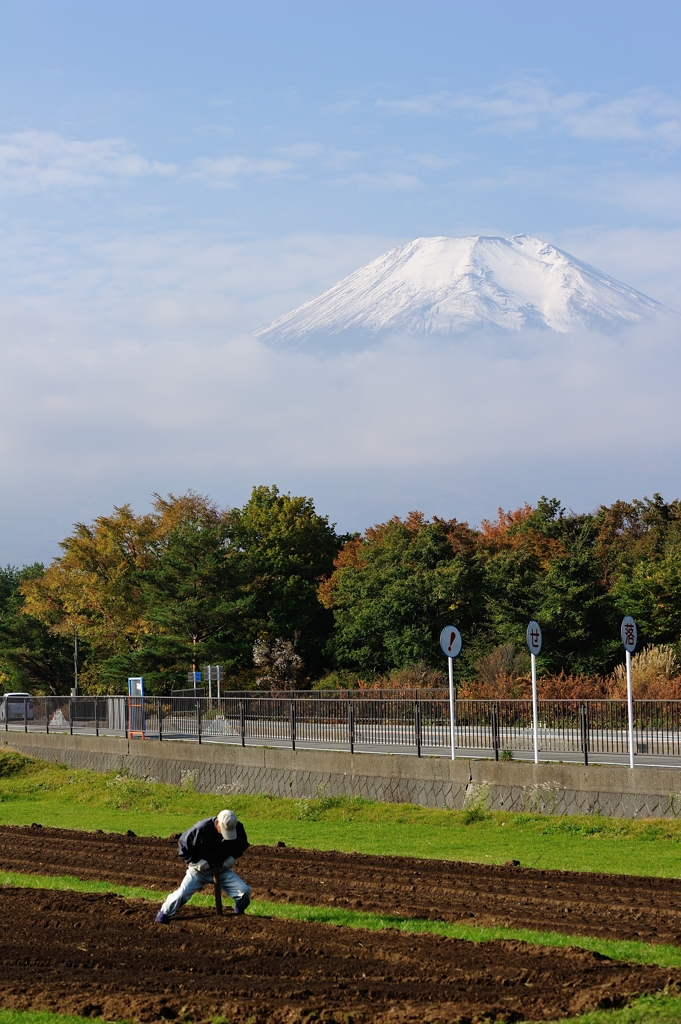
(654, 674)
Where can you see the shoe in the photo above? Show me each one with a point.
(241, 903)
(162, 918)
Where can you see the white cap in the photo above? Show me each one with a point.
(227, 824)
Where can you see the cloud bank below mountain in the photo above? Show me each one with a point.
(447, 427)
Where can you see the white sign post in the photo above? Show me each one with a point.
(214, 674)
(534, 641)
(629, 635)
(450, 642)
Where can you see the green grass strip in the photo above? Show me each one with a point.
(76, 798)
(72, 884)
(40, 1017)
(632, 952)
(655, 1009)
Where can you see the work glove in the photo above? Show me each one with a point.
(200, 865)
(229, 863)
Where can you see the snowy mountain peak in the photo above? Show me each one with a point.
(445, 285)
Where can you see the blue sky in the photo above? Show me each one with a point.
(174, 175)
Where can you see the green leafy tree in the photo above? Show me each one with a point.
(541, 563)
(93, 589)
(282, 549)
(32, 657)
(189, 583)
(629, 532)
(192, 601)
(650, 590)
(394, 589)
(577, 617)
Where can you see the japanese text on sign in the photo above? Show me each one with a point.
(629, 634)
(534, 639)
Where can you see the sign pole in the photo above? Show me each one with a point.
(535, 714)
(630, 711)
(450, 645)
(629, 634)
(450, 662)
(534, 642)
(136, 716)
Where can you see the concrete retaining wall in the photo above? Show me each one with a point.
(395, 778)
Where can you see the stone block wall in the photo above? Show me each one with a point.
(219, 768)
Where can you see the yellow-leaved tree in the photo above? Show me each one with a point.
(93, 588)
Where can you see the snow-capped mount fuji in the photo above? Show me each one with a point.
(442, 285)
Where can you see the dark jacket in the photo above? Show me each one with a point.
(203, 841)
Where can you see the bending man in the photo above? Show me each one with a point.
(211, 844)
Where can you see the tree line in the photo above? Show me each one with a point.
(276, 595)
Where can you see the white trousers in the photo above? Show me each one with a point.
(230, 883)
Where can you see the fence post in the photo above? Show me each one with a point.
(6, 713)
(71, 715)
(25, 714)
(198, 716)
(293, 725)
(495, 731)
(47, 715)
(351, 725)
(159, 705)
(584, 722)
(96, 716)
(127, 715)
(417, 726)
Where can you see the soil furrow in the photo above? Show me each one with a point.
(605, 906)
(103, 955)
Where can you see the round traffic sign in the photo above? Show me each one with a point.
(534, 637)
(450, 641)
(629, 634)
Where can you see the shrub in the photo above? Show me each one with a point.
(654, 675)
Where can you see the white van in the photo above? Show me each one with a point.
(12, 707)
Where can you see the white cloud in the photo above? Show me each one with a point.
(223, 172)
(326, 156)
(352, 104)
(428, 105)
(126, 369)
(646, 258)
(433, 162)
(173, 281)
(302, 150)
(643, 116)
(33, 161)
(659, 195)
(309, 157)
(386, 180)
(117, 421)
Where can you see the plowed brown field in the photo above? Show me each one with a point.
(606, 906)
(101, 954)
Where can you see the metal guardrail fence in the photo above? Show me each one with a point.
(568, 729)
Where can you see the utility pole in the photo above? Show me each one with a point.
(75, 660)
